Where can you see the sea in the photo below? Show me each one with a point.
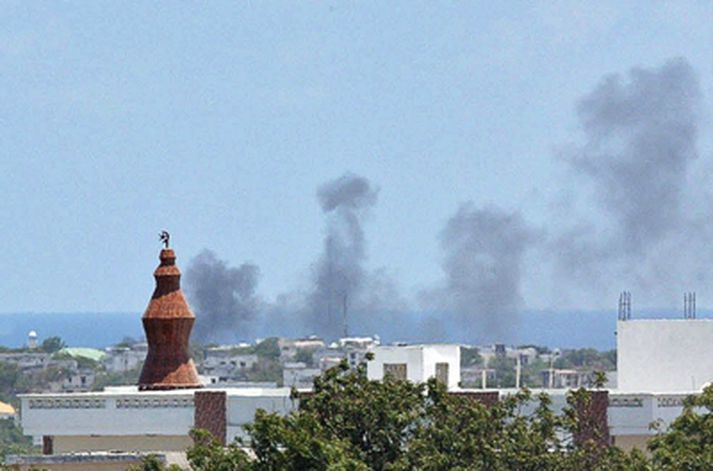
(570, 329)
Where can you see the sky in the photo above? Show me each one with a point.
(219, 121)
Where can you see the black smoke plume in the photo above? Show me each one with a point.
(639, 145)
(484, 253)
(339, 274)
(222, 297)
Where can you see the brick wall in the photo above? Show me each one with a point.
(210, 413)
(487, 398)
(593, 419)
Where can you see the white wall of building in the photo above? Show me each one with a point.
(242, 404)
(664, 355)
(420, 361)
(137, 413)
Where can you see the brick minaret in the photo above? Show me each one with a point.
(168, 322)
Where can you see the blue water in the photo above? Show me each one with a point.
(76, 329)
(594, 329)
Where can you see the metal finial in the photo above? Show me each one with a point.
(164, 237)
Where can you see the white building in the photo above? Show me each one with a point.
(664, 355)
(228, 356)
(123, 359)
(26, 360)
(417, 363)
(129, 420)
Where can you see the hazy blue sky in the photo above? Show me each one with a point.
(218, 121)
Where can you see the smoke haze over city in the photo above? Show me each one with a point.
(421, 175)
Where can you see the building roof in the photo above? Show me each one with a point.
(90, 353)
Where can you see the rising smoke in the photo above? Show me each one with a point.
(222, 297)
(339, 274)
(640, 142)
(484, 250)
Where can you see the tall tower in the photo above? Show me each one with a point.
(168, 322)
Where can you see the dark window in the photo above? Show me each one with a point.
(442, 372)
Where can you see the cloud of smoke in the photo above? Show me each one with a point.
(484, 251)
(222, 297)
(639, 144)
(640, 141)
(339, 274)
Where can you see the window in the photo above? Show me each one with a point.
(395, 370)
(442, 372)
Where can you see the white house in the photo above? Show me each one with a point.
(417, 363)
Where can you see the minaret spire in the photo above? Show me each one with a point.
(168, 322)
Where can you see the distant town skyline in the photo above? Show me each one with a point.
(219, 123)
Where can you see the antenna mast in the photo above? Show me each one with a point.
(689, 305)
(625, 306)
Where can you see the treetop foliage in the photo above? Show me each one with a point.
(351, 423)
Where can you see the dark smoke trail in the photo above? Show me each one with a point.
(339, 274)
(640, 142)
(484, 250)
(222, 297)
(641, 138)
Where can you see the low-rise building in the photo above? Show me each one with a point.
(417, 363)
(565, 378)
(123, 359)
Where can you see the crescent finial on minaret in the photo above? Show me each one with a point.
(164, 237)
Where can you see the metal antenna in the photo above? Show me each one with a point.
(625, 305)
(344, 315)
(689, 305)
(620, 313)
(685, 305)
(628, 305)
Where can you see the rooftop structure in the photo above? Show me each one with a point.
(664, 355)
(417, 363)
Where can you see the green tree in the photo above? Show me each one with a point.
(12, 441)
(207, 454)
(153, 463)
(268, 348)
(351, 423)
(52, 344)
(305, 355)
(470, 356)
(688, 441)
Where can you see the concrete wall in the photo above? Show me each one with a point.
(410, 355)
(631, 414)
(242, 405)
(450, 354)
(153, 413)
(664, 355)
(93, 466)
(629, 442)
